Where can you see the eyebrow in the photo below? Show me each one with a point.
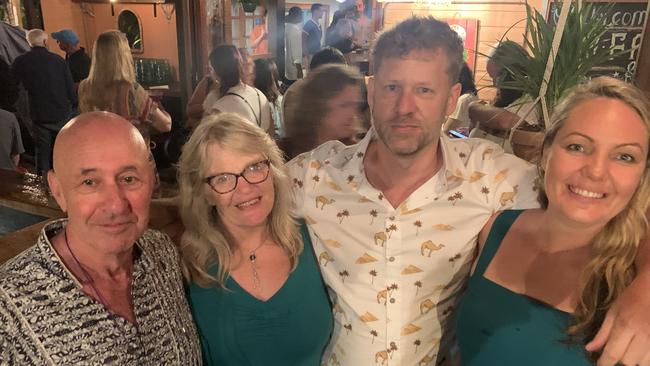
(241, 171)
(127, 168)
(592, 140)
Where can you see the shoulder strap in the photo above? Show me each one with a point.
(499, 229)
(259, 102)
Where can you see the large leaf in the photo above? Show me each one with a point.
(579, 52)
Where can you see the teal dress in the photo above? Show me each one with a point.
(291, 328)
(496, 326)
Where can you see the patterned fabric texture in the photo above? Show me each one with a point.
(395, 274)
(45, 318)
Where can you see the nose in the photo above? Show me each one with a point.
(115, 200)
(406, 102)
(596, 166)
(243, 185)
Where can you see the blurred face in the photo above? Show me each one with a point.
(318, 13)
(595, 163)
(342, 119)
(409, 98)
(360, 6)
(104, 185)
(63, 46)
(493, 70)
(248, 205)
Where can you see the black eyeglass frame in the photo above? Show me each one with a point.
(267, 162)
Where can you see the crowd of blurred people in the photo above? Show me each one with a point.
(326, 218)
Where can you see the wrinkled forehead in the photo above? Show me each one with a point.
(108, 155)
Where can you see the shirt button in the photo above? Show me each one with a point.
(392, 301)
(391, 259)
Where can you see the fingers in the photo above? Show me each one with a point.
(616, 347)
(637, 352)
(601, 337)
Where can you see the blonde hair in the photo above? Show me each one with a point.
(112, 64)
(205, 240)
(614, 249)
(36, 37)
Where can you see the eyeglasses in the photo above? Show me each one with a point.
(227, 182)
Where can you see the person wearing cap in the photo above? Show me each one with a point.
(75, 56)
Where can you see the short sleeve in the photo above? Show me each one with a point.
(295, 39)
(297, 168)
(514, 182)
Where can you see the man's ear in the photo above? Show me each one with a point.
(454, 94)
(370, 88)
(55, 188)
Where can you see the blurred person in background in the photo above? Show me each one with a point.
(328, 109)
(75, 56)
(234, 95)
(293, 46)
(267, 80)
(52, 98)
(112, 86)
(326, 55)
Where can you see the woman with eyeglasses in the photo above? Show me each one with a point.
(254, 286)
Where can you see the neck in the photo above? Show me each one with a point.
(248, 239)
(111, 266)
(322, 137)
(73, 49)
(557, 235)
(399, 170)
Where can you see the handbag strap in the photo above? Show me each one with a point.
(259, 102)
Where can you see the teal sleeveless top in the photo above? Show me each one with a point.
(496, 326)
(291, 328)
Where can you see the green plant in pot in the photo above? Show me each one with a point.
(578, 53)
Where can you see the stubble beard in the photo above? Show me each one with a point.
(390, 139)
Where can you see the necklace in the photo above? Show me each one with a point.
(252, 257)
(88, 279)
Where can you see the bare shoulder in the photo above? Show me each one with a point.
(483, 235)
(523, 223)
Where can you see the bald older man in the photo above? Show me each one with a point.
(97, 287)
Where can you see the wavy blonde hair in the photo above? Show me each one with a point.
(111, 65)
(614, 249)
(205, 240)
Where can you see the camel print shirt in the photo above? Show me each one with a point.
(395, 274)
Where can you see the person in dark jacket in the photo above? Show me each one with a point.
(50, 88)
(75, 56)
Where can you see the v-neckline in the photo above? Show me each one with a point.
(252, 297)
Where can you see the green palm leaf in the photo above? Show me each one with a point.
(579, 52)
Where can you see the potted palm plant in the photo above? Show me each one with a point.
(554, 64)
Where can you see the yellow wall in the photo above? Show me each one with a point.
(494, 21)
(158, 33)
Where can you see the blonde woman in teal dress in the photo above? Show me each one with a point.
(545, 278)
(255, 289)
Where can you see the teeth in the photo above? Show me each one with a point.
(248, 203)
(585, 193)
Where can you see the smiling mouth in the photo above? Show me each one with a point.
(585, 193)
(248, 203)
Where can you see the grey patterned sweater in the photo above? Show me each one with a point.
(45, 318)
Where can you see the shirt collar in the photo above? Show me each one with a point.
(52, 261)
(350, 161)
